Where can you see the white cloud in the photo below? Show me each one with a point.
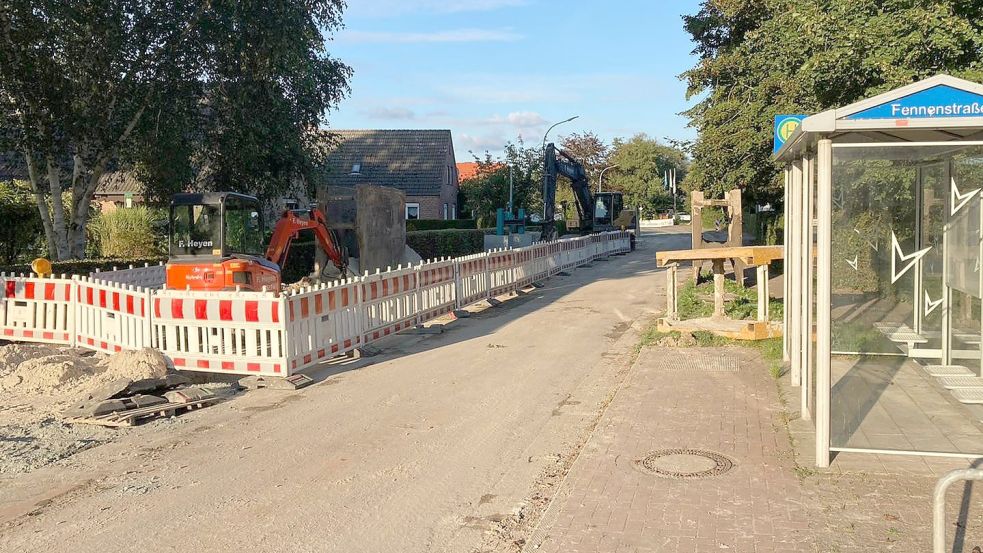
(389, 113)
(390, 8)
(493, 143)
(455, 35)
(523, 119)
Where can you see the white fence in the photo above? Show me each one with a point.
(270, 333)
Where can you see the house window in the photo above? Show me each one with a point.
(445, 212)
(453, 211)
(128, 199)
(356, 168)
(412, 211)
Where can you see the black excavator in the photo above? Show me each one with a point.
(598, 212)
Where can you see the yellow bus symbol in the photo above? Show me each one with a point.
(787, 127)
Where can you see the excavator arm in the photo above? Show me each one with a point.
(557, 162)
(290, 225)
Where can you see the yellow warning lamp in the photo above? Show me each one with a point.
(42, 267)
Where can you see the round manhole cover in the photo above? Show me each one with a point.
(685, 463)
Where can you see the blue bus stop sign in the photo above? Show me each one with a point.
(785, 125)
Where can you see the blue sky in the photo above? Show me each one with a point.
(491, 70)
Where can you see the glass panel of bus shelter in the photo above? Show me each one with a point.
(963, 261)
(886, 230)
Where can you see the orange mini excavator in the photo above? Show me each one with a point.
(216, 242)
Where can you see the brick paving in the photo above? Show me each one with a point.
(691, 398)
(716, 399)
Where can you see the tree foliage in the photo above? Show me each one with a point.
(759, 58)
(489, 189)
(642, 164)
(217, 94)
(18, 241)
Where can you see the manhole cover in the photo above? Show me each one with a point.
(685, 463)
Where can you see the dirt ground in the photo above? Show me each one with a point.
(451, 442)
(37, 383)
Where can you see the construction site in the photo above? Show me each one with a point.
(406, 276)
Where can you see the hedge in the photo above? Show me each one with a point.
(431, 244)
(85, 266)
(413, 225)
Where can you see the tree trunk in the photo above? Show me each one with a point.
(39, 199)
(62, 246)
(81, 201)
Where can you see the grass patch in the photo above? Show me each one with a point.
(651, 336)
(696, 302)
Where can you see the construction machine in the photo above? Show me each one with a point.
(217, 239)
(595, 212)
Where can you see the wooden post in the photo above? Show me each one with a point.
(718, 288)
(672, 303)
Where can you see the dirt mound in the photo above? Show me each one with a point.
(12, 355)
(46, 373)
(134, 365)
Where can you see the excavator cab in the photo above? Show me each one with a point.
(216, 243)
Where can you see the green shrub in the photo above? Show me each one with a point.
(85, 266)
(431, 244)
(24, 240)
(413, 225)
(133, 232)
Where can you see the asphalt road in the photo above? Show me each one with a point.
(452, 442)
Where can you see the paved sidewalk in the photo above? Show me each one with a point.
(716, 399)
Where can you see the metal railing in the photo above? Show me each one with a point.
(938, 507)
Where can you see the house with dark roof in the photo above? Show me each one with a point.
(420, 162)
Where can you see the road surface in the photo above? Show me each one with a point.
(453, 442)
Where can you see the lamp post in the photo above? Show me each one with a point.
(544, 157)
(600, 180)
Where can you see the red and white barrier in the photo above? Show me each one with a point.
(233, 332)
(111, 317)
(269, 333)
(436, 289)
(323, 321)
(473, 280)
(36, 310)
(388, 303)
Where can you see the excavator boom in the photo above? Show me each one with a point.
(294, 221)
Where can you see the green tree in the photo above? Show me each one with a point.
(642, 163)
(221, 94)
(18, 241)
(489, 189)
(759, 58)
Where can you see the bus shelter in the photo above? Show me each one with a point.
(884, 242)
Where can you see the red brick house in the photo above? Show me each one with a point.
(419, 162)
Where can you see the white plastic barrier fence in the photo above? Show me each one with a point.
(388, 303)
(472, 279)
(36, 309)
(234, 332)
(148, 276)
(111, 317)
(270, 333)
(436, 289)
(323, 321)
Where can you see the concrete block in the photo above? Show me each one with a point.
(144, 400)
(293, 382)
(493, 302)
(424, 330)
(188, 395)
(462, 313)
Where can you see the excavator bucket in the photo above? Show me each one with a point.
(370, 222)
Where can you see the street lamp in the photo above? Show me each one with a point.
(544, 157)
(600, 181)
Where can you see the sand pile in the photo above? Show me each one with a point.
(36, 371)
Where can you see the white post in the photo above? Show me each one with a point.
(794, 258)
(786, 276)
(762, 271)
(824, 215)
(807, 270)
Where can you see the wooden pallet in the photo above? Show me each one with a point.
(133, 417)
